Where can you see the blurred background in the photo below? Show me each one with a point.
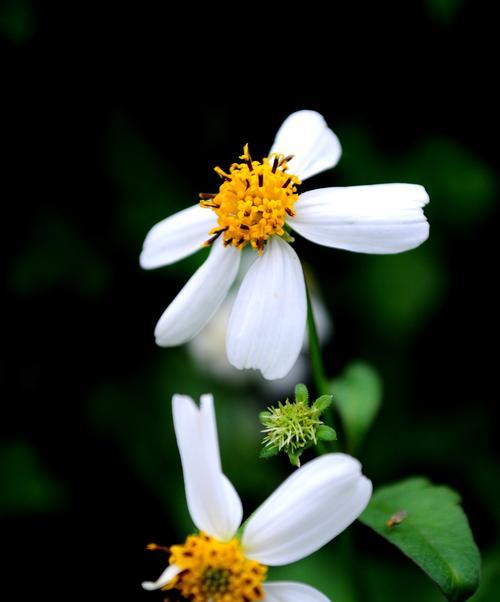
(112, 118)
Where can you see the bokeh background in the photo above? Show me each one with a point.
(113, 117)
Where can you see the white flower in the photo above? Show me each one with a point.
(310, 508)
(255, 204)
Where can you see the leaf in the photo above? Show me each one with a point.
(433, 531)
(27, 486)
(444, 11)
(400, 293)
(357, 395)
(490, 577)
(17, 20)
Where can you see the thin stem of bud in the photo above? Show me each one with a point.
(320, 379)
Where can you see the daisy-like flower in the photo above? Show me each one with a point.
(256, 204)
(224, 562)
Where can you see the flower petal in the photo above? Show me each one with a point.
(213, 502)
(168, 574)
(177, 236)
(310, 508)
(288, 591)
(382, 218)
(306, 136)
(267, 322)
(200, 298)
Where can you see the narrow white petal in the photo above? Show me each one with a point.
(168, 574)
(288, 591)
(310, 508)
(382, 218)
(267, 322)
(213, 502)
(200, 298)
(306, 135)
(177, 236)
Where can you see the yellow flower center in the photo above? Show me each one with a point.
(253, 201)
(214, 571)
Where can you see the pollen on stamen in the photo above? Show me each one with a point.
(253, 201)
(212, 239)
(154, 547)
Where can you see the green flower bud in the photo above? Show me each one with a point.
(290, 428)
(293, 427)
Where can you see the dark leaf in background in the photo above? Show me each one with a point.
(25, 484)
(17, 20)
(357, 395)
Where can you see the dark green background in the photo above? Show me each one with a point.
(113, 118)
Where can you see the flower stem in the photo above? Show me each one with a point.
(318, 371)
(320, 379)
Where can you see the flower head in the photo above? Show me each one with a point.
(293, 427)
(255, 205)
(223, 562)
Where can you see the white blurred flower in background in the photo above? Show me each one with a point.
(208, 348)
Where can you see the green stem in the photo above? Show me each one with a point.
(318, 371)
(320, 379)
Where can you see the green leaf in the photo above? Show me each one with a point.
(490, 577)
(357, 395)
(444, 11)
(27, 486)
(17, 20)
(430, 527)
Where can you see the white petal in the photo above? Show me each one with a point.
(168, 574)
(306, 136)
(177, 236)
(200, 298)
(288, 591)
(310, 508)
(267, 323)
(383, 218)
(213, 502)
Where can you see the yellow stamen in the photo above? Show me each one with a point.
(214, 571)
(154, 547)
(253, 201)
